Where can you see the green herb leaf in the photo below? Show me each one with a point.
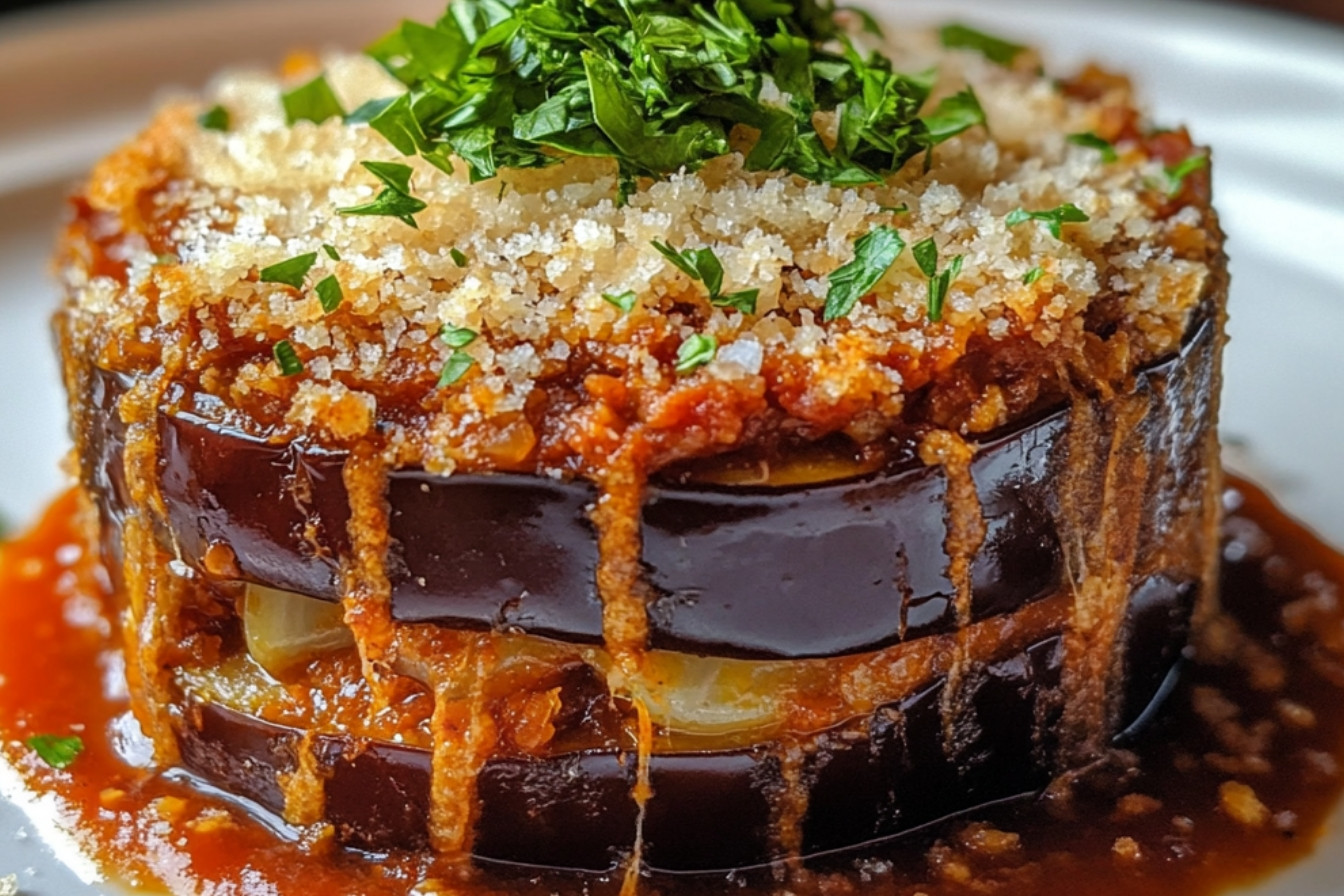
(456, 367)
(995, 49)
(1102, 145)
(1054, 218)
(458, 257)
(1033, 275)
(625, 301)
(926, 256)
(330, 294)
(703, 265)
(457, 337)
(697, 351)
(394, 175)
(874, 254)
(954, 115)
(698, 264)
(216, 118)
(742, 300)
(391, 204)
(396, 200)
(1176, 174)
(287, 358)
(166, 259)
(314, 101)
(291, 271)
(939, 286)
(55, 750)
(331, 252)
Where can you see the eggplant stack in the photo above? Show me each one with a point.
(647, 437)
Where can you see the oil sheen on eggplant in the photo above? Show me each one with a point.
(834, 569)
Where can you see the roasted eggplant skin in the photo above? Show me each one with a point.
(787, 573)
(862, 780)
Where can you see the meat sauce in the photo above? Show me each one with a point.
(1233, 782)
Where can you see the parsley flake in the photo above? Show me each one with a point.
(1101, 144)
(456, 367)
(1033, 275)
(396, 200)
(291, 271)
(331, 252)
(874, 254)
(926, 256)
(995, 49)
(1054, 219)
(457, 337)
(314, 101)
(330, 294)
(458, 257)
(287, 358)
(55, 750)
(216, 118)
(625, 301)
(697, 351)
(703, 265)
(1176, 174)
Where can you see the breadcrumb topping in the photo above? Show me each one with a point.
(184, 218)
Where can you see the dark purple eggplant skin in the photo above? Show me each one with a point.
(711, 811)
(865, 780)
(833, 569)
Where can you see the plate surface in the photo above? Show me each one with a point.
(1265, 91)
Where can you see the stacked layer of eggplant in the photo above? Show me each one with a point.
(815, 678)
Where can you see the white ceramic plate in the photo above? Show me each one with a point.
(1266, 91)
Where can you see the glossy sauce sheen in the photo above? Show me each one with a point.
(1253, 713)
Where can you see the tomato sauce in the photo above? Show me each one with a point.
(1234, 781)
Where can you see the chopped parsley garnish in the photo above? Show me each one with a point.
(216, 118)
(1101, 144)
(874, 254)
(287, 358)
(396, 200)
(703, 265)
(314, 101)
(1176, 174)
(1054, 219)
(926, 256)
(995, 49)
(291, 271)
(625, 301)
(697, 351)
(1033, 275)
(458, 257)
(331, 252)
(59, 752)
(656, 85)
(330, 294)
(166, 259)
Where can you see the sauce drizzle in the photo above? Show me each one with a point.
(1234, 782)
